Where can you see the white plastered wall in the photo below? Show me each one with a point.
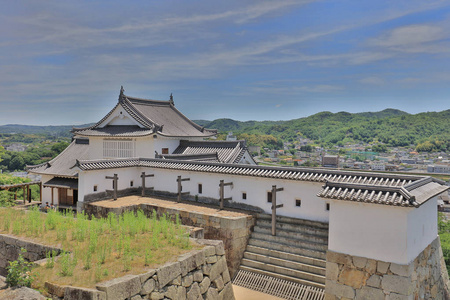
(381, 232)
(256, 188)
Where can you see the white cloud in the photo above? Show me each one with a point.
(372, 80)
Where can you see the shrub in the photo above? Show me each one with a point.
(19, 271)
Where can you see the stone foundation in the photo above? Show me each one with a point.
(199, 274)
(353, 277)
(10, 249)
(233, 231)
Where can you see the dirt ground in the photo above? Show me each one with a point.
(169, 203)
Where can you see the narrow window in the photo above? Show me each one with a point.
(269, 197)
(95, 188)
(244, 196)
(112, 184)
(131, 183)
(298, 202)
(327, 206)
(165, 151)
(200, 188)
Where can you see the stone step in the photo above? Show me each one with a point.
(318, 231)
(287, 256)
(284, 263)
(287, 248)
(288, 220)
(283, 276)
(293, 235)
(289, 242)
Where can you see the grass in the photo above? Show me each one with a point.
(98, 249)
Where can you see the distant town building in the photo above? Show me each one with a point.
(378, 166)
(330, 161)
(16, 147)
(438, 169)
(231, 137)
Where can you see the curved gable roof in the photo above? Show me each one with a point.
(155, 116)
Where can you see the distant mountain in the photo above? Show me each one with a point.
(59, 130)
(389, 126)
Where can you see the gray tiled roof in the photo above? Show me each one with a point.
(155, 116)
(378, 188)
(63, 163)
(116, 131)
(227, 151)
(57, 182)
(411, 193)
(206, 157)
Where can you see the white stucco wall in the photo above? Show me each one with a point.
(422, 227)
(312, 207)
(381, 232)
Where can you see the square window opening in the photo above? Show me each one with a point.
(269, 197)
(95, 188)
(200, 188)
(298, 202)
(244, 196)
(327, 206)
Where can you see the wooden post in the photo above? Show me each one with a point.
(274, 208)
(23, 188)
(52, 196)
(29, 193)
(222, 193)
(180, 187)
(40, 192)
(143, 176)
(115, 179)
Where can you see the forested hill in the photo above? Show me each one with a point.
(390, 126)
(59, 130)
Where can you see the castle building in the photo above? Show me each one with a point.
(382, 240)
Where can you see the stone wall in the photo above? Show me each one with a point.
(10, 248)
(233, 231)
(352, 277)
(199, 274)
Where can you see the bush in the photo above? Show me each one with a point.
(19, 272)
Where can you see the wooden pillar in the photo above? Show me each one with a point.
(29, 193)
(40, 192)
(180, 187)
(143, 176)
(115, 179)
(274, 208)
(222, 192)
(23, 188)
(52, 196)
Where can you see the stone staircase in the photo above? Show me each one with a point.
(297, 253)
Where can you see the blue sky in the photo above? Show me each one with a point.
(63, 62)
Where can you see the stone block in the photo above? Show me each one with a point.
(218, 283)
(226, 276)
(227, 292)
(211, 294)
(218, 268)
(76, 293)
(194, 292)
(211, 259)
(369, 293)
(176, 281)
(204, 285)
(121, 288)
(136, 297)
(191, 261)
(55, 289)
(156, 296)
(198, 276)
(359, 262)
(394, 296)
(332, 271)
(171, 292)
(339, 258)
(145, 276)
(374, 281)
(339, 290)
(397, 284)
(167, 273)
(206, 269)
(382, 267)
(352, 277)
(402, 270)
(371, 266)
(187, 280)
(148, 287)
(209, 250)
